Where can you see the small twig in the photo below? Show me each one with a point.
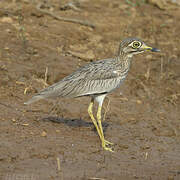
(85, 23)
(26, 89)
(146, 89)
(95, 178)
(58, 164)
(42, 81)
(146, 155)
(46, 75)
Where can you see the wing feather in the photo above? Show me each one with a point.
(93, 78)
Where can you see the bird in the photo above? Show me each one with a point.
(96, 80)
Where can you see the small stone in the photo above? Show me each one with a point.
(6, 48)
(149, 56)
(25, 124)
(43, 134)
(6, 20)
(139, 102)
(13, 120)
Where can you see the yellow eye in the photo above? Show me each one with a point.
(136, 44)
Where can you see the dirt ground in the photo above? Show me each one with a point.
(37, 50)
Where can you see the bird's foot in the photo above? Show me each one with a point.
(108, 148)
(108, 143)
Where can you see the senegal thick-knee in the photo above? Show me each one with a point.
(96, 80)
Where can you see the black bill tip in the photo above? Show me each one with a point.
(155, 50)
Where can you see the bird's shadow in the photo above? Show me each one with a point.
(74, 122)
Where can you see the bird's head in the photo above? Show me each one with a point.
(131, 46)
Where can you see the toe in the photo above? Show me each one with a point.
(108, 143)
(108, 149)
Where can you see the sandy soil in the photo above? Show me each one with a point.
(37, 50)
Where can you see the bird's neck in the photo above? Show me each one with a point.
(124, 58)
(124, 62)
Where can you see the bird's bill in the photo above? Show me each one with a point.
(145, 47)
(155, 50)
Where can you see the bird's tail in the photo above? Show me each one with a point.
(34, 99)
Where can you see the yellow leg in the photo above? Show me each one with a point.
(105, 143)
(106, 109)
(93, 119)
